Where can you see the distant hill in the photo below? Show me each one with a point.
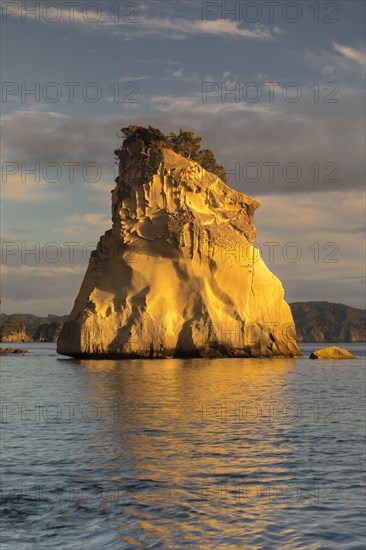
(315, 322)
(11, 325)
(328, 322)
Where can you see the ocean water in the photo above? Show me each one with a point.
(196, 454)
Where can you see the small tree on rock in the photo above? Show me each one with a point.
(149, 136)
(185, 143)
(206, 158)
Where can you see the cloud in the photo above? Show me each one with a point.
(306, 133)
(26, 188)
(43, 140)
(27, 289)
(167, 28)
(177, 75)
(344, 61)
(181, 29)
(324, 231)
(31, 271)
(193, 102)
(82, 226)
(90, 219)
(35, 112)
(357, 56)
(184, 28)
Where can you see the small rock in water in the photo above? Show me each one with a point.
(332, 352)
(12, 350)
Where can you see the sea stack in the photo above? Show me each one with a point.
(178, 274)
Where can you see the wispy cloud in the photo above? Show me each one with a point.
(173, 28)
(36, 271)
(193, 103)
(328, 243)
(352, 54)
(34, 112)
(99, 192)
(90, 219)
(341, 59)
(184, 28)
(26, 188)
(80, 226)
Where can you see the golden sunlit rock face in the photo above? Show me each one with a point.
(177, 275)
(332, 352)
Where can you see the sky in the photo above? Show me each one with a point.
(275, 89)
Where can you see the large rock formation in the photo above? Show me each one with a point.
(177, 275)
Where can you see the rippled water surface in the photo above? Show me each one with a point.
(197, 454)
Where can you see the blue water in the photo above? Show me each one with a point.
(196, 454)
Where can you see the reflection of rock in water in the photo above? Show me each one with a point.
(177, 275)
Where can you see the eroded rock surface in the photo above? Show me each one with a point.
(48, 332)
(177, 275)
(14, 331)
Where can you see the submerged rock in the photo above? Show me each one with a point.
(178, 274)
(11, 350)
(332, 352)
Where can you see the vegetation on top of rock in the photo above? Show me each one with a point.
(186, 143)
(150, 136)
